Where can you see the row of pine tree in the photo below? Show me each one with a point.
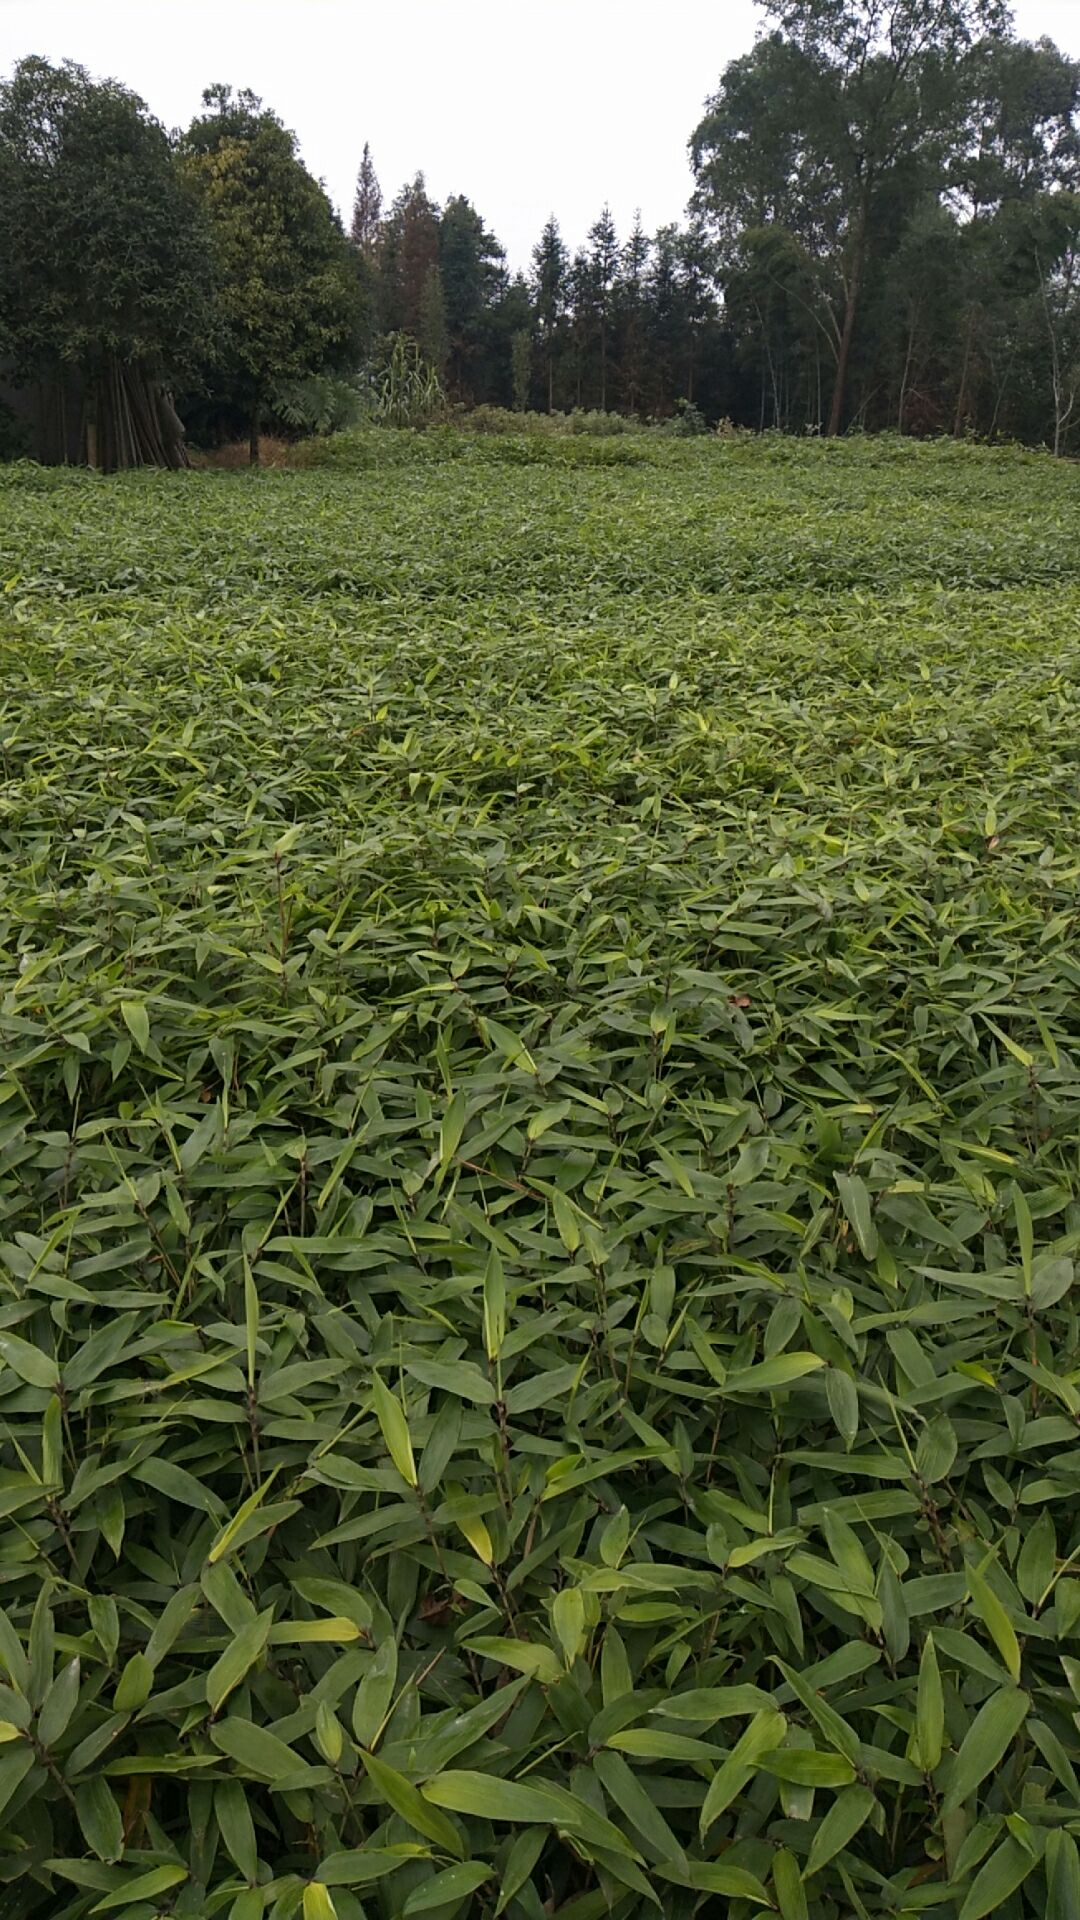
(615, 325)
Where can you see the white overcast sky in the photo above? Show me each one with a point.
(527, 109)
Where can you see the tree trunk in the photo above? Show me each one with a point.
(843, 358)
(905, 378)
(551, 381)
(603, 366)
(253, 438)
(961, 398)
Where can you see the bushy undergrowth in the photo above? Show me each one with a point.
(385, 446)
(582, 420)
(538, 1187)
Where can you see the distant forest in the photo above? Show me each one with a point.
(884, 233)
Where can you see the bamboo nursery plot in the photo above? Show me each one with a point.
(539, 1186)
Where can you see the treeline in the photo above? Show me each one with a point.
(884, 232)
(135, 267)
(627, 324)
(891, 188)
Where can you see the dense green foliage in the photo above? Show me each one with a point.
(538, 1358)
(893, 194)
(130, 264)
(884, 234)
(885, 231)
(289, 284)
(102, 253)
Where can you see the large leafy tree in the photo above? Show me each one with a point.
(770, 300)
(291, 293)
(106, 261)
(922, 297)
(816, 128)
(1022, 136)
(473, 269)
(1013, 183)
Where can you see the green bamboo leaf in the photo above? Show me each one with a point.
(251, 1323)
(137, 1021)
(855, 1201)
(229, 1534)
(98, 1814)
(1037, 1559)
(806, 1767)
(176, 1483)
(1025, 1233)
(452, 1884)
(936, 1450)
(790, 1891)
(255, 1750)
(996, 1621)
(494, 1306)
(31, 1365)
(135, 1684)
(519, 1859)
(459, 1377)
(707, 1705)
(842, 1395)
(929, 1710)
(15, 1763)
(59, 1704)
(451, 1129)
(508, 1800)
(318, 1903)
(626, 1791)
(329, 1734)
(849, 1811)
(1062, 1875)
(489, 1798)
(236, 1826)
(567, 1222)
(836, 1730)
(523, 1656)
(568, 1620)
(996, 1724)
(238, 1658)
(52, 1444)
(394, 1428)
(1005, 1870)
(773, 1375)
(547, 1118)
(335, 1631)
(644, 1744)
(420, 1810)
(375, 1692)
(249, 1905)
(142, 1887)
(365, 1865)
(713, 1876)
(762, 1736)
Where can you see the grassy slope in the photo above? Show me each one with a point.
(688, 832)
